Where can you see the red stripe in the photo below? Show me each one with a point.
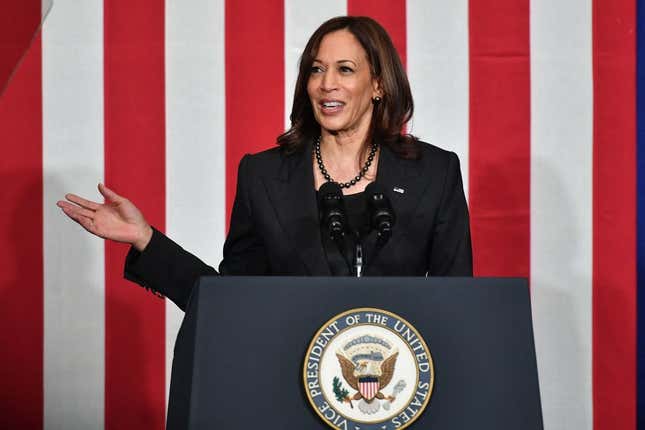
(391, 14)
(254, 81)
(134, 167)
(21, 253)
(614, 220)
(500, 136)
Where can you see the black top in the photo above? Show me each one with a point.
(341, 263)
(356, 206)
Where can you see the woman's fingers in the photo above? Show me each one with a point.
(68, 207)
(74, 212)
(88, 204)
(86, 213)
(63, 204)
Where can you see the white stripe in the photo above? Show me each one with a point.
(195, 136)
(437, 66)
(561, 208)
(300, 22)
(73, 260)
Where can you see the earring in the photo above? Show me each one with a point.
(376, 99)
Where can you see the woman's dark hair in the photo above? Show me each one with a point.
(389, 115)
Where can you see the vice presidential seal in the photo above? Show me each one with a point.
(368, 369)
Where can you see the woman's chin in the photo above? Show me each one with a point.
(341, 132)
(333, 127)
(330, 126)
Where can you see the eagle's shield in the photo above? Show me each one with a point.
(368, 387)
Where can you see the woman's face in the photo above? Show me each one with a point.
(341, 86)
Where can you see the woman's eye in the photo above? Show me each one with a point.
(316, 69)
(345, 69)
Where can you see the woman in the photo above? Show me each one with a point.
(352, 100)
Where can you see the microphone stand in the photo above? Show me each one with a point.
(358, 256)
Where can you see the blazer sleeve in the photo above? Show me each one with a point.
(168, 270)
(451, 251)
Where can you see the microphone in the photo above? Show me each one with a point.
(332, 209)
(381, 214)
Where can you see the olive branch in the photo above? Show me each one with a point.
(342, 395)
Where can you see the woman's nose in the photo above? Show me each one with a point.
(329, 81)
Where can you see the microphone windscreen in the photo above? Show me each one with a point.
(374, 188)
(330, 198)
(329, 192)
(331, 209)
(379, 208)
(329, 188)
(376, 194)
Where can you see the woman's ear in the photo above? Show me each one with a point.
(376, 88)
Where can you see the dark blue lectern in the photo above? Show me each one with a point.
(239, 354)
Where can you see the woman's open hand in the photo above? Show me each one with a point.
(116, 219)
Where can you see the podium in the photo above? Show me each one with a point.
(239, 355)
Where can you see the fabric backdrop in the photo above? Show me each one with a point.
(160, 99)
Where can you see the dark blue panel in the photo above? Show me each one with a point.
(478, 330)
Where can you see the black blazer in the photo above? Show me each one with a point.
(275, 228)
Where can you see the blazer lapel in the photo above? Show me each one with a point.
(294, 199)
(402, 181)
(405, 186)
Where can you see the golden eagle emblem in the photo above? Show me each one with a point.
(367, 364)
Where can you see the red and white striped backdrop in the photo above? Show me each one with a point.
(161, 99)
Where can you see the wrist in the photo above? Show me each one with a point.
(144, 238)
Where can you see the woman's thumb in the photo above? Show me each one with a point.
(108, 193)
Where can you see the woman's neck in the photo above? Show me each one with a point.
(342, 148)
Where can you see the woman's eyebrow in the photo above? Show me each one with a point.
(316, 60)
(347, 61)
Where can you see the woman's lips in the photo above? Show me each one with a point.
(331, 107)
